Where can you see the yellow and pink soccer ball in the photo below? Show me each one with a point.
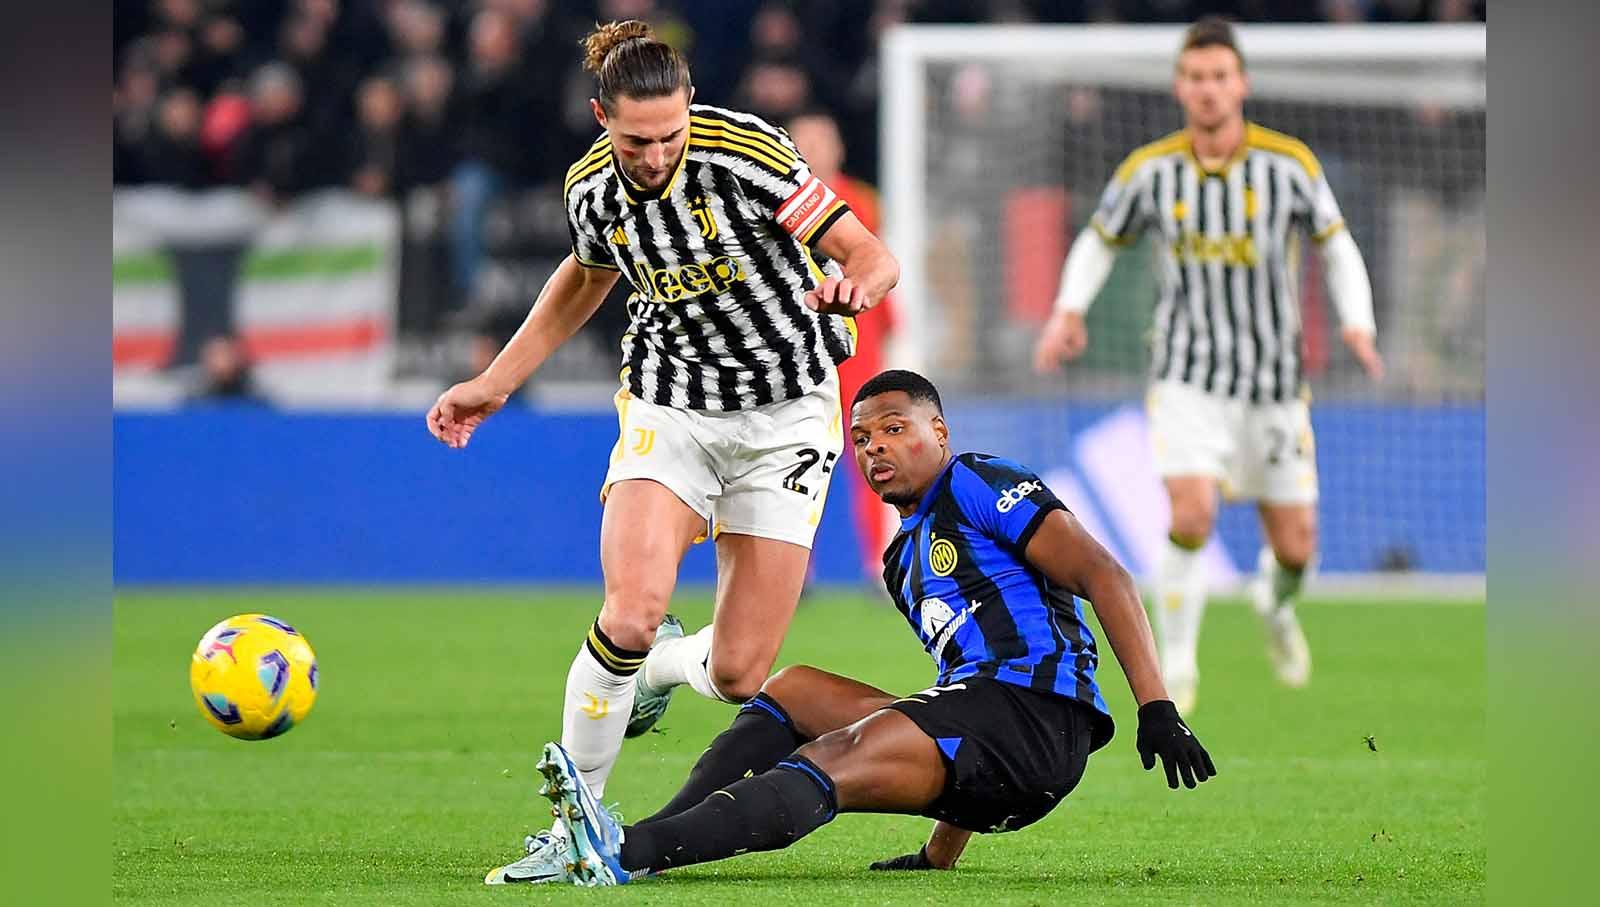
(254, 677)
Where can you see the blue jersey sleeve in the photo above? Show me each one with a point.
(1004, 500)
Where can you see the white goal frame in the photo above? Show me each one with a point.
(1444, 63)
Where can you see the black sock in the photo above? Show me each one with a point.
(767, 812)
(760, 736)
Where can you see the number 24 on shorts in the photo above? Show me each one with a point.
(809, 457)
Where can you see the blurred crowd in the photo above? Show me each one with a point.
(379, 95)
(467, 112)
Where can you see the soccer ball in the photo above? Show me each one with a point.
(254, 677)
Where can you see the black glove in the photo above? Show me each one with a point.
(1163, 733)
(918, 860)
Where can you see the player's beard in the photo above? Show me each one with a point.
(645, 181)
(648, 182)
(900, 498)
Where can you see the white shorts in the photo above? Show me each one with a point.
(1256, 451)
(761, 472)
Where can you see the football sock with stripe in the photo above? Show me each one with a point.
(759, 738)
(769, 811)
(1181, 601)
(599, 700)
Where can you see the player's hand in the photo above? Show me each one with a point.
(460, 410)
(1163, 733)
(837, 296)
(1365, 350)
(1064, 338)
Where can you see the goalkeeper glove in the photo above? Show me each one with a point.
(1163, 733)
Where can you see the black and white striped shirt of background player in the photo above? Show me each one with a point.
(1227, 319)
(719, 260)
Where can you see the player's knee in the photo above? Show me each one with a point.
(787, 685)
(737, 682)
(1191, 526)
(831, 749)
(1295, 553)
(1192, 519)
(630, 621)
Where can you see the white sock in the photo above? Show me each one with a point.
(1180, 602)
(686, 660)
(1285, 584)
(599, 701)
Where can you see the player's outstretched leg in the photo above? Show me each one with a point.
(1281, 568)
(883, 763)
(761, 735)
(766, 729)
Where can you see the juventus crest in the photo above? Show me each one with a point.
(701, 209)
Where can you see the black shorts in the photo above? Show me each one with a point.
(1013, 753)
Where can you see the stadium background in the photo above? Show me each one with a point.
(305, 486)
(326, 211)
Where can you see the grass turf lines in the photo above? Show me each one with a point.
(414, 774)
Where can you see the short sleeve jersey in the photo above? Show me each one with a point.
(719, 259)
(957, 570)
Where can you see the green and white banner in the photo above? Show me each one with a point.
(313, 302)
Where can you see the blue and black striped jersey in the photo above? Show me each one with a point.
(957, 571)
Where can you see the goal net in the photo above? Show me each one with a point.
(997, 143)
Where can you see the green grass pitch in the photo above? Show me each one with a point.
(414, 774)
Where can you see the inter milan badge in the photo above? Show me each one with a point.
(942, 557)
(701, 209)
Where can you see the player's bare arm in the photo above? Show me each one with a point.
(1063, 551)
(870, 271)
(569, 299)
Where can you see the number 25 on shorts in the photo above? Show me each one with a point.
(809, 457)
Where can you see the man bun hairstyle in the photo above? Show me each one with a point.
(629, 62)
(913, 385)
(1212, 31)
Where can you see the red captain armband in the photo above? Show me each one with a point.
(809, 208)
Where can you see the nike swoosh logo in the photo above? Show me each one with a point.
(1185, 731)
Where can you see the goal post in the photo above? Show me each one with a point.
(998, 139)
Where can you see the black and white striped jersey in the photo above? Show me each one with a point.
(719, 259)
(1228, 317)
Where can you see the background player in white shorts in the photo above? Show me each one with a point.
(1228, 406)
(745, 270)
